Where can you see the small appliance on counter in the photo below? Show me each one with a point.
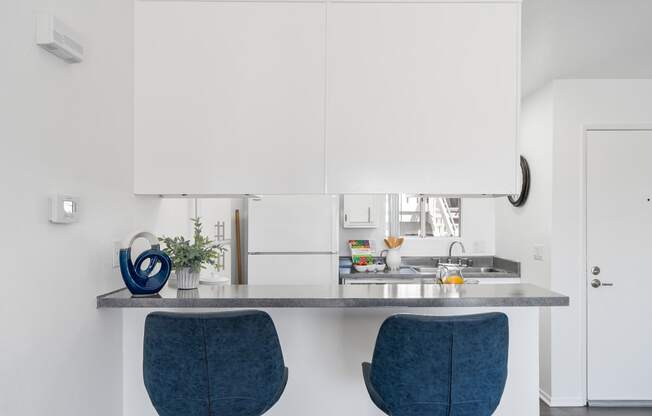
(139, 277)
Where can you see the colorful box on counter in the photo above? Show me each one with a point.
(361, 252)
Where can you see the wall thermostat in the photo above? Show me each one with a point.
(64, 209)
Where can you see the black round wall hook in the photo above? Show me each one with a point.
(519, 200)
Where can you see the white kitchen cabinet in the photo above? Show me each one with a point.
(422, 97)
(359, 211)
(229, 97)
(272, 97)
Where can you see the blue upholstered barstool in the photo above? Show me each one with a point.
(439, 365)
(213, 364)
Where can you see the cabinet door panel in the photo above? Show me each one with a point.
(422, 97)
(359, 211)
(229, 97)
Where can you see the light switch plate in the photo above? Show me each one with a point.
(116, 254)
(537, 252)
(478, 246)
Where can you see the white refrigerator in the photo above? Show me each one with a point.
(292, 240)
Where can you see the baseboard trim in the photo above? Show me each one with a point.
(561, 401)
(620, 403)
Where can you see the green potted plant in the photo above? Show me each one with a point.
(190, 257)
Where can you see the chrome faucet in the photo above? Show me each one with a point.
(450, 248)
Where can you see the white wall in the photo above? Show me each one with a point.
(575, 105)
(477, 232)
(519, 230)
(579, 103)
(64, 128)
(585, 39)
(174, 217)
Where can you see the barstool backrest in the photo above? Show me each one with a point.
(226, 363)
(432, 365)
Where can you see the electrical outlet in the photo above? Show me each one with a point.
(478, 247)
(116, 254)
(537, 252)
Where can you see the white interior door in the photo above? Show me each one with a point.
(619, 243)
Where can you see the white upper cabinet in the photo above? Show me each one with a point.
(422, 97)
(352, 97)
(359, 211)
(229, 97)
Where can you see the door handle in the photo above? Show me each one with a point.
(596, 283)
(369, 214)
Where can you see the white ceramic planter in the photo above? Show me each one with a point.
(186, 279)
(188, 294)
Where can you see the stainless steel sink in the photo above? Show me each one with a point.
(425, 269)
(467, 270)
(479, 267)
(433, 270)
(482, 270)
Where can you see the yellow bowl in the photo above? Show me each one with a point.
(454, 280)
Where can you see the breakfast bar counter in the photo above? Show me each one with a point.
(326, 332)
(340, 296)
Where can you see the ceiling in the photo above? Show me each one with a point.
(585, 39)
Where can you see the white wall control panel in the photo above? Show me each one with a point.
(55, 37)
(64, 209)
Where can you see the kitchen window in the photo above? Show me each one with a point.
(423, 216)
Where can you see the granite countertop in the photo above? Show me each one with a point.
(339, 296)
